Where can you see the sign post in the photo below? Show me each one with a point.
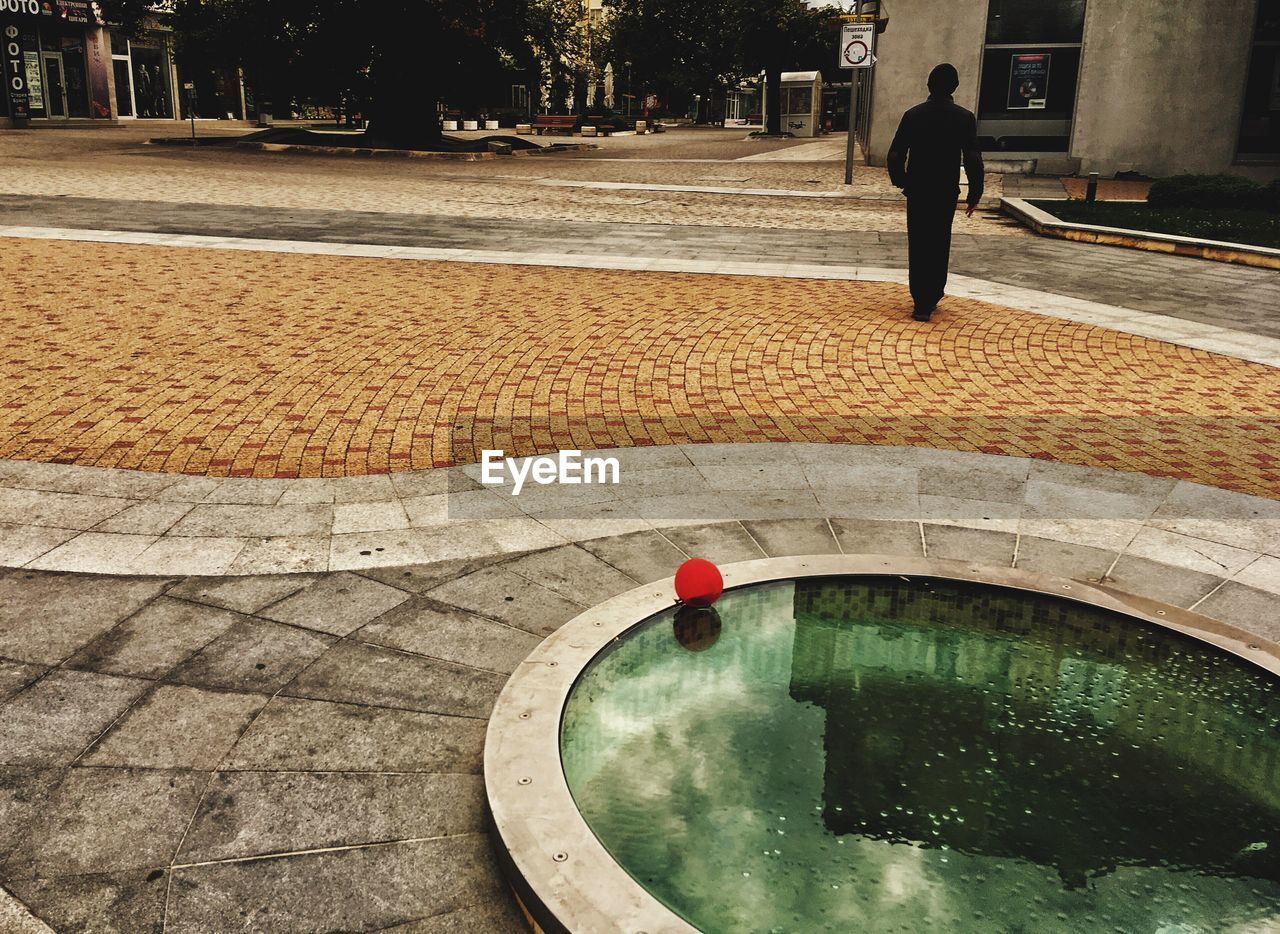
(190, 88)
(856, 52)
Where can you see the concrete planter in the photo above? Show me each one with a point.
(588, 131)
(471, 124)
(448, 125)
(524, 129)
(1048, 225)
(491, 124)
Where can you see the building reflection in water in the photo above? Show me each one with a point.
(973, 719)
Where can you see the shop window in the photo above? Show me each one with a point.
(34, 72)
(1027, 97)
(1260, 123)
(150, 82)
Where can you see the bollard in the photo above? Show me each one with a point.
(1091, 193)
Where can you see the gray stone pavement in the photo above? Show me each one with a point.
(303, 752)
(1237, 297)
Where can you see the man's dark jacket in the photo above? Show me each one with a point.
(924, 158)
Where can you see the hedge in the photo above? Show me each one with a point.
(1213, 191)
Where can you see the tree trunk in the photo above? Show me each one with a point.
(774, 93)
(405, 90)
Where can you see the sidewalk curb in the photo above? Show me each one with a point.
(1045, 224)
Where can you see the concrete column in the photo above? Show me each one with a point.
(109, 45)
(1162, 86)
(921, 34)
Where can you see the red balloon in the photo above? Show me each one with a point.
(698, 583)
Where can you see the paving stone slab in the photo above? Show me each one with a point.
(439, 630)
(1263, 574)
(492, 917)
(310, 735)
(45, 617)
(57, 510)
(356, 889)
(155, 639)
(1167, 583)
(365, 674)
(103, 820)
(497, 593)
(420, 578)
(256, 813)
(14, 676)
(53, 720)
(721, 542)
(338, 604)
(977, 546)
(254, 520)
(574, 573)
(21, 543)
(643, 556)
(24, 793)
(1247, 607)
(16, 918)
(1062, 559)
(793, 536)
(253, 655)
(176, 727)
(1194, 553)
(873, 537)
(111, 903)
(244, 594)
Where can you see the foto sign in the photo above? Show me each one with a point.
(15, 75)
(857, 45)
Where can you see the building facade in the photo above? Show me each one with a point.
(1082, 85)
(64, 65)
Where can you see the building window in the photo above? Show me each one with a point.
(1020, 21)
(1030, 64)
(1260, 125)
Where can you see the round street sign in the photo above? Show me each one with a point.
(856, 52)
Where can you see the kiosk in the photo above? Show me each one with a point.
(801, 102)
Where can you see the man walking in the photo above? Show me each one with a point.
(924, 161)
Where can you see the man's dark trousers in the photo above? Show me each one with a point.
(929, 219)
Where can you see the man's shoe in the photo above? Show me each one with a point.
(919, 315)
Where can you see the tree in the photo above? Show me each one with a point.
(680, 48)
(414, 52)
(556, 35)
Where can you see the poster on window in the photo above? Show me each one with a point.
(1028, 81)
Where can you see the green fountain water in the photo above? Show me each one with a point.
(878, 754)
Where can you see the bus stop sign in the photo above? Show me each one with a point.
(857, 45)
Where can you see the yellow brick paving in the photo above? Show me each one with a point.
(229, 363)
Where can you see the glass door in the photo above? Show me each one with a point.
(55, 88)
(76, 78)
(124, 86)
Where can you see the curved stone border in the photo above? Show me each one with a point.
(1046, 224)
(1226, 341)
(1154, 535)
(564, 876)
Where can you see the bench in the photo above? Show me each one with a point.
(554, 123)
